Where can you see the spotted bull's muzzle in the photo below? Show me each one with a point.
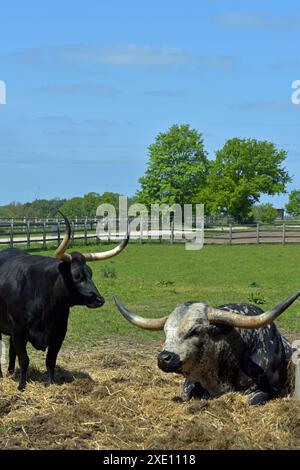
(169, 361)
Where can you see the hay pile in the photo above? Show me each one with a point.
(118, 399)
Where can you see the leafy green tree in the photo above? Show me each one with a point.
(54, 205)
(41, 208)
(293, 206)
(177, 167)
(110, 198)
(242, 171)
(265, 213)
(90, 203)
(87, 205)
(6, 212)
(74, 207)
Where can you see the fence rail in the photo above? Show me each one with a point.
(259, 233)
(30, 232)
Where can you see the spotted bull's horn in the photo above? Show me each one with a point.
(229, 317)
(214, 315)
(145, 323)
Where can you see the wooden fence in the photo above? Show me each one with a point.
(42, 232)
(280, 233)
(32, 232)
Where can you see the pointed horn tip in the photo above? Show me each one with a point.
(252, 322)
(60, 251)
(117, 301)
(141, 322)
(127, 237)
(63, 215)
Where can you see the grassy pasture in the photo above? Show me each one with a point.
(152, 279)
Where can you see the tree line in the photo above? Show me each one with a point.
(179, 171)
(85, 206)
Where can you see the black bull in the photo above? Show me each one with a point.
(36, 294)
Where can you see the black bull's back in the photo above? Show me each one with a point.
(30, 286)
(35, 299)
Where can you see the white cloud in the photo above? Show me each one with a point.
(82, 89)
(285, 64)
(130, 55)
(252, 20)
(262, 105)
(166, 93)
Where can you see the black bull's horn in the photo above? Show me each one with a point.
(60, 253)
(214, 316)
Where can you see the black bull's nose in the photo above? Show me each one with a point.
(98, 302)
(169, 361)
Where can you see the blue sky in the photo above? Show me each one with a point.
(90, 84)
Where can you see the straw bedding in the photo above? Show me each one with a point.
(115, 397)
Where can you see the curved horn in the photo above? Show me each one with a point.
(109, 253)
(229, 317)
(60, 251)
(145, 323)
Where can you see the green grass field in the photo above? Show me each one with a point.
(152, 279)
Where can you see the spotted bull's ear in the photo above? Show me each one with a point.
(217, 331)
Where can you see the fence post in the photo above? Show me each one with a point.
(11, 236)
(283, 234)
(109, 231)
(28, 235)
(141, 230)
(257, 233)
(44, 235)
(172, 231)
(230, 234)
(58, 233)
(73, 230)
(85, 232)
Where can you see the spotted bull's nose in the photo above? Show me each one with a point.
(169, 361)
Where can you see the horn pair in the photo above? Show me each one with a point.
(214, 316)
(61, 254)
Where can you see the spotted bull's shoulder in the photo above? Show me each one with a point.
(243, 309)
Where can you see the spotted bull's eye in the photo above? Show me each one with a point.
(193, 332)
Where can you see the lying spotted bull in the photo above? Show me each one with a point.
(235, 347)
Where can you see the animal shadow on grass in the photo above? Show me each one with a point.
(62, 376)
